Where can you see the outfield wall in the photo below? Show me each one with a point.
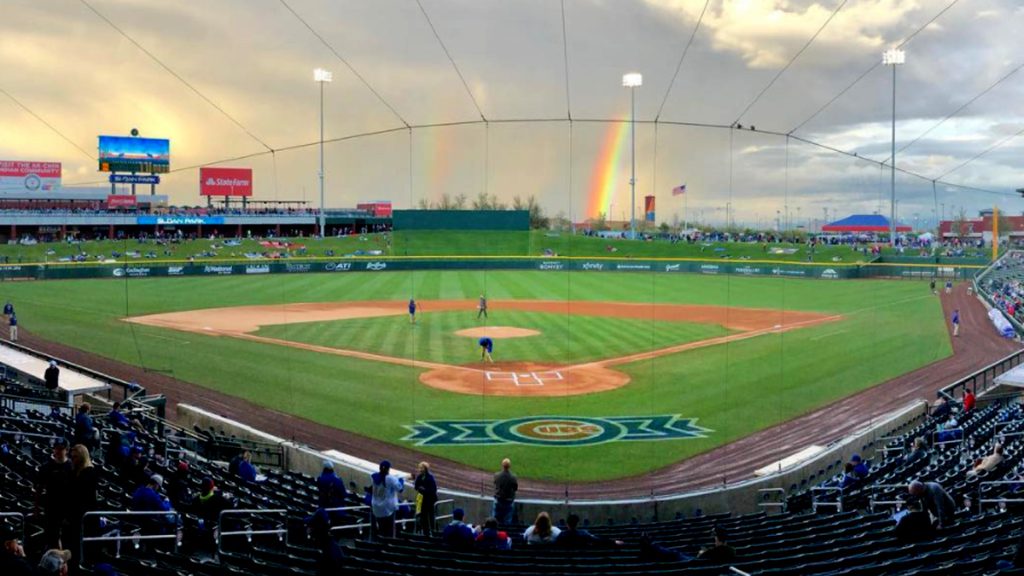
(65, 271)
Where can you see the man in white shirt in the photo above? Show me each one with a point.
(384, 500)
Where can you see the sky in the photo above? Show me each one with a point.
(463, 97)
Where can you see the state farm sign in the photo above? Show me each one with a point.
(225, 181)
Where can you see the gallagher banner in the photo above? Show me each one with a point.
(21, 176)
(225, 181)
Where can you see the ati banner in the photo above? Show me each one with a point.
(225, 181)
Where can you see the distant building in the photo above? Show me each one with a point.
(980, 228)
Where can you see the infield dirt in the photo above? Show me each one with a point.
(495, 379)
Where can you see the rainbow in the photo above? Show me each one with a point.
(605, 177)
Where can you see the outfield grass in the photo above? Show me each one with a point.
(563, 340)
(426, 243)
(889, 328)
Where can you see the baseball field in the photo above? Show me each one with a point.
(596, 375)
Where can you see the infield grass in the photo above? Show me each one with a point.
(888, 329)
(563, 340)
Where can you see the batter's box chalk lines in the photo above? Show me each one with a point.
(525, 378)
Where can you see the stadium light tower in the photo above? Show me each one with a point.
(322, 77)
(632, 80)
(893, 57)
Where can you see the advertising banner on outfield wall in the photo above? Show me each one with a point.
(140, 270)
(28, 177)
(121, 201)
(215, 181)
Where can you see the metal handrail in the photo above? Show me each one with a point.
(838, 503)
(134, 537)
(439, 517)
(250, 532)
(781, 504)
(982, 501)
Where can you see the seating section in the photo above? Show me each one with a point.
(1005, 285)
(857, 538)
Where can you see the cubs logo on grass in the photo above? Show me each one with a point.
(553, 430)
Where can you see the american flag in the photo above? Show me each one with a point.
(679, 190)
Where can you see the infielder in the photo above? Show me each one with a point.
(412, 311)
(486, 347)
(481, 307)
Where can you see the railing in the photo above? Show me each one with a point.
(439, 517)
(815, 504)
(872, 501)
(134, 538)
(1000, 501)
(960, 440)
(764, 492)
(982, 379)
(282, 533)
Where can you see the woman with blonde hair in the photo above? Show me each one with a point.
(83, 493)
(426, 498)
(542, 532)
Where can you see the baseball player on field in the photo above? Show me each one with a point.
(412, 311)
(481, 307)
(486, 347)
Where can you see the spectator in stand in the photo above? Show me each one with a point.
(52, 376)
(505, 487)
(147, 498)
(82, 497)
(211, 501)
(575, 537)
(491, 538)
(136, 468)
(331, 491)
(244, 468)
(53, 486)
(969, 400)
(12, 556)
(915, 525)
(85, 430)
(935, 500)
(919, 450)
(178, 486)
(850, 479)
(384, 500)
(426, 498)
(457, 534)
(860, 467)
(652, 551)
(542, 532)
(988, 463)
(720, 552)
(55, 562)
(116, 418)
(941, 409)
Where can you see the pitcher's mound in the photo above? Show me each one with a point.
(497, 332)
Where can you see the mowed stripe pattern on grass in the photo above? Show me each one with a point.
(433, 338)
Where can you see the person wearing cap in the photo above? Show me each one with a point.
(52, 375)
(720, 552)
(505, 487)
(860, 467)
(384, 500)
(331, 490)
(12, 555)
(55, 562)
(457, 534)
(147, 498)
(117, 418)
(53, 486)
(12, 321)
